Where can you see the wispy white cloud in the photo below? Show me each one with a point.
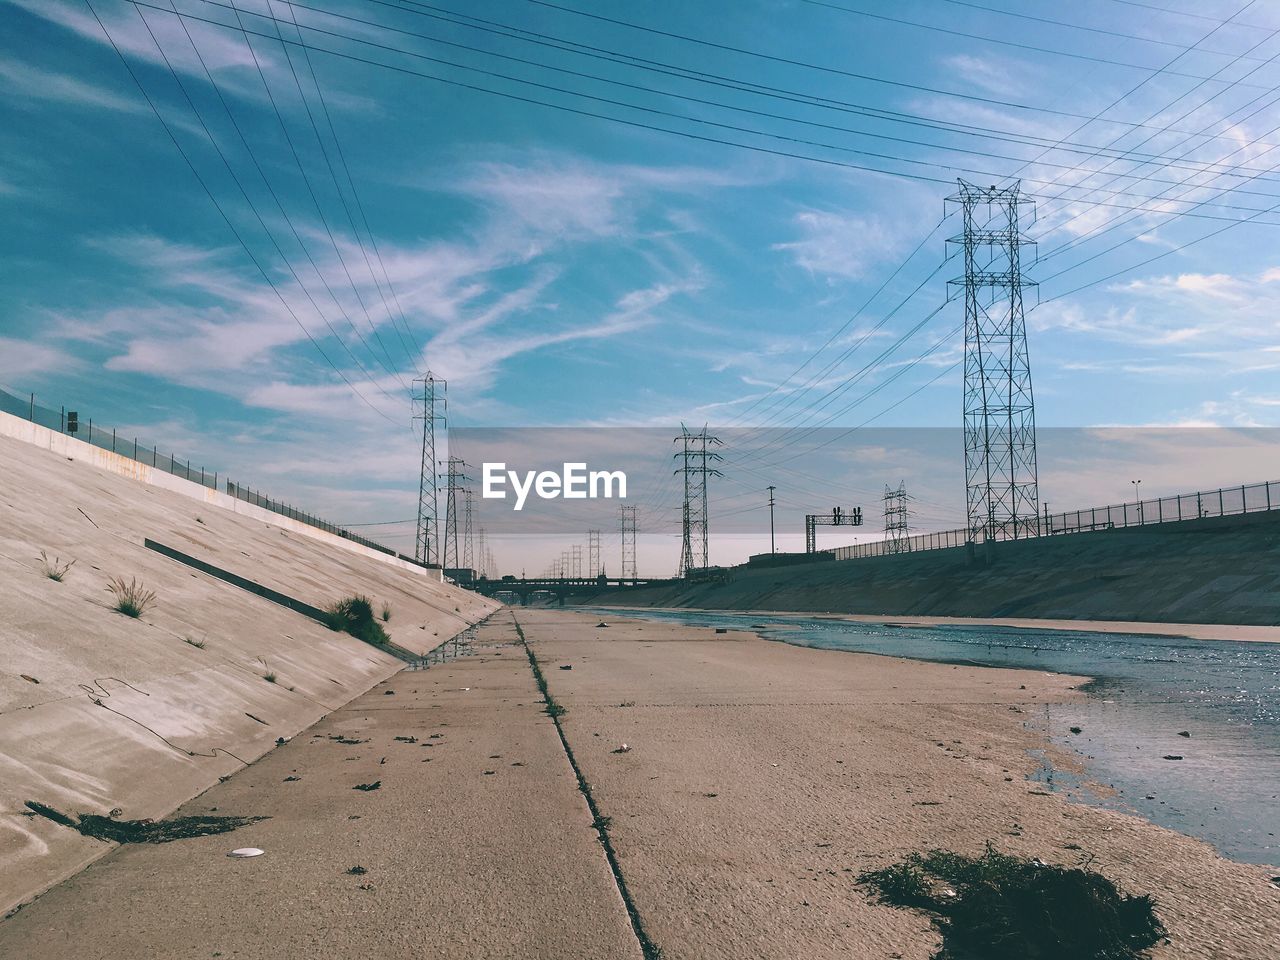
(31, 83)
(837, 246)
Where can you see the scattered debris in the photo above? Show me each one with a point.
(1173, 756)
(357, 871)
(602, 624)
(377, 784)
(566, 666)
(28, 679)
(388, 693)
(489, 773)
(1185, 733)
(291, 779)
(622, 749)
(243, 853)
(407, 739)
(349, 741)
(1075, 729)
(141, 831)
(722, 629)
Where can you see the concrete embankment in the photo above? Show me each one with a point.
(102, 712)
(1213, 571)
(476, 843)
(758, 780)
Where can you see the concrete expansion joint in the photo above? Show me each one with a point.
(648, 948)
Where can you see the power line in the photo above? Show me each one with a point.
(226, 219)
(988, 39)
(756, 148)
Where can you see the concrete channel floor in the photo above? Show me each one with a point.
(477, 844)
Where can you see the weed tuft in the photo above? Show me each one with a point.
(55, 569)
(354, 615)
(1001, 907)
(198, 644)
(270, 677)
(386, 613)
(132, 598)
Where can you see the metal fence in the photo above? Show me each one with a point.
(1223, 502)
(258, 499)
(85, 430)
(108, 439)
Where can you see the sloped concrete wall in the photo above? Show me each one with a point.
(1222, 570)
(99, 711)
(73, 449)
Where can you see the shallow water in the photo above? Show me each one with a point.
(1147, 691)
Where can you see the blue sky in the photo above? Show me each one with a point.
(562, 269)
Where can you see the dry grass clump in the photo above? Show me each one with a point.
(354, 615)
(132, 598)
(55, 569)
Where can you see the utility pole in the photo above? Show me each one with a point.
(456, 477)
(895, 517)
(1137, 496)
(426, 545)
(772, 546)
(628, 570)
(999, 408)
(593, 553)
(695, 459)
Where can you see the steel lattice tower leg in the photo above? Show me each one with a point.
(999, 408)
(427, 543)
(695, 464)
(628, 543)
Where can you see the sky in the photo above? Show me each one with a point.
(627, 216)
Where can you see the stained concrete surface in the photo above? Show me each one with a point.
(477, 843)
(100, 711)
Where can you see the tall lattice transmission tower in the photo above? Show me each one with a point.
(593, 553)
(896, 517)
(455, 478)
(432, 410)
(575, 561)
(482, 547)
(468, 531)
(999, 410)
(628, 569)
(696, 459)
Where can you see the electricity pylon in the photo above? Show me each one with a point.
(434, 403)
(999, 409)
(895, 517)
(695, 465)
(628, 570)
(456, 477)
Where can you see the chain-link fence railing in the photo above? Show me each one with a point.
(73, 424)
(1223, 502)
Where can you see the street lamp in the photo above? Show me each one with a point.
(1137, 497)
